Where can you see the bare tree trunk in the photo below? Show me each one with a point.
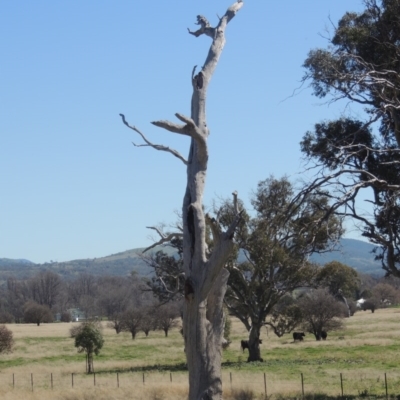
(341, 295)
(206, 278)
(203, 332)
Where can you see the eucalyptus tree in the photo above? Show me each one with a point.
(360, 156)
(341, 281)
(88, 340)
(168, 281)
(205, 277)
(277, 242)
(339, 278)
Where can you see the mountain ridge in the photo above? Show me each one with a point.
(353, 252)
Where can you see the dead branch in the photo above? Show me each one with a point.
(215, 228)
(163, 237)
(150, 144)
(205, 27)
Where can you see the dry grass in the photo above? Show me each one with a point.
(48, 348)
(160, 393)
(22, 331)
(368, 348)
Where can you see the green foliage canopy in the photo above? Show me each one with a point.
(339, 278)
(362, 66)
(277, 242)
(89, 340)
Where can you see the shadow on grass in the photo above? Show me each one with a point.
(320, 396)
(148, 368)
(181, 367)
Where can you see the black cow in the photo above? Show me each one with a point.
(368, 305)
(323, 335)
(244, 344)
(298, 336)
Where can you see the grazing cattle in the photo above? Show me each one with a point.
(298, 336)
(324, 335)
(244, 344)
(368, 305)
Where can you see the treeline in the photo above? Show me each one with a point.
(126, 302)
(120, 264)
(132, 304)
(339, 293)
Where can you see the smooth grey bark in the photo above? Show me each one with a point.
(206, 278)
(341, 295)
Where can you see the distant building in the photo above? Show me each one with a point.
(360, 302)
(77, 315)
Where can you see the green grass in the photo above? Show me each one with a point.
(370, 348)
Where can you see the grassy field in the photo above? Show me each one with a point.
(46, 365)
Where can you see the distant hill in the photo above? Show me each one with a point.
(19, 268)
(355, 253)
(10, 261)
(120, 264)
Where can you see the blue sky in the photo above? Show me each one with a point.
(72, 184)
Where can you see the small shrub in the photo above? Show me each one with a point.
(353, 307)
(37, 313)
(6, 339)
(88, 340)
(75, 330)
(66, 316)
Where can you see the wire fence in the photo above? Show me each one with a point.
(379, 385)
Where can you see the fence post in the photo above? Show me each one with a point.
(117, 379)
(386, 387)
(51, 380)
(230, 377)
(94, 378)
(302, 385)
(265, 385)
(170, 377)
(32, 381)
(13, 382)
(143, 379)
(72, 379)
(341, 383)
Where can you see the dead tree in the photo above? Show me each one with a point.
(205, 276)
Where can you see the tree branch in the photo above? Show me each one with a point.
(224, 245)
(215, 228)
(154, 146)
(163, 237)
(189, 129)
(205, 27)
